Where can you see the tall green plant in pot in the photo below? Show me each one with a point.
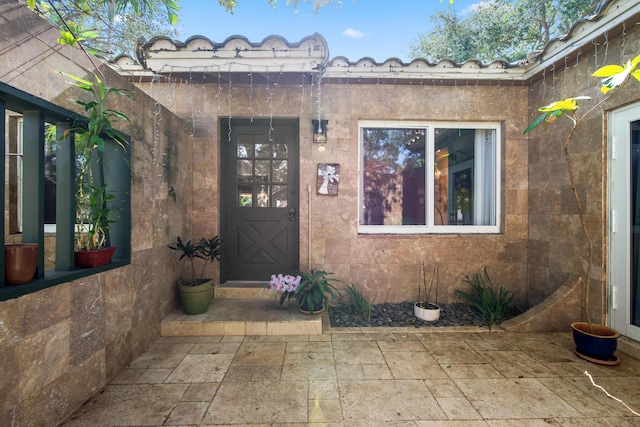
(93, 211)
(196, 292)
(315, 291)
(596, 343)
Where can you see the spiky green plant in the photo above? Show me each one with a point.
(492, 303)
(359, 302)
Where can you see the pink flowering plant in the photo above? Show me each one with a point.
(287, 284)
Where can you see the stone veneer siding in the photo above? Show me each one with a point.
(59, 346)
(386, 266)
(557, 246)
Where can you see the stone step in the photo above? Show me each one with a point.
(243, 316)
(243, 289)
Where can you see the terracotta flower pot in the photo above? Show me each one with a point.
(91, 259)
(21, 262)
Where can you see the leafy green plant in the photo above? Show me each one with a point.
(205, 249)
(492, 303)
(613, 78)
(359, 302)
(315, 289)
(92, 213)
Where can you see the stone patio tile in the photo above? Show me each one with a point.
(200, 392)
(310, 346)
(506, 357)
(154, 376)
(470, 370)
(453, 352)
(161, 355)
(564, 369)
(514, 399)
(187, 413)
(278, 338)
(456, 423)
(443, 388)
(404, 345)
(357, 352)
(413, 365)
(189, 339)
(266, 373)
(491, 345)
(458, 408)
(583, 402)
(325, 411)
(239, 373)
(323, 390)
(369, 336)
(127, 376)
(563, 422)
(129, 405)
(377, 372)
(395, 400)
(260, 354)
(266, 401)
(349, 372)
(215, 348)
(524, 370)
(308, 366)
(427, 337)
(625, 388)
(201, 368)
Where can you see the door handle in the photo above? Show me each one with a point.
(292, 214)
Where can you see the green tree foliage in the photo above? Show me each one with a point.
(499, 29)
(110, 28)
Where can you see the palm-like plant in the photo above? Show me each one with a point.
(315, 289)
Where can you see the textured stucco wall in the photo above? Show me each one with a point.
(386, 266)
(59, 346)
(557, 246)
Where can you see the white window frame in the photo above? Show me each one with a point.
(431, 228)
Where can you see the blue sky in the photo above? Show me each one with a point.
(380, 29)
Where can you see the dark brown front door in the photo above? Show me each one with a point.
(259, 198)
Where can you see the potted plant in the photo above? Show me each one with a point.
(92, 210)
(314, 291)
(596, 343)
(425, 310)
(286, 284)
(196, 292)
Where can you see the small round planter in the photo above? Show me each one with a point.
(597, 347)
(196, 299)
(317, 309)
(426, 311)
(21, 262)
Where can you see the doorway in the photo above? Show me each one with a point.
(259, 198)
(624, 220)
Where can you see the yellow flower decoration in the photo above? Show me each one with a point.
(615, 76)
(554, 110)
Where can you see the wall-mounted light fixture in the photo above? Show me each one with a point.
(319, 131)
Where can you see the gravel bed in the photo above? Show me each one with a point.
(401, 314)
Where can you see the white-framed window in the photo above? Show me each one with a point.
(429, 177)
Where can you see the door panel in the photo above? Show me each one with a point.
(260, 198)
(624, 222)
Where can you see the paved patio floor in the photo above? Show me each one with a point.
(384, 377)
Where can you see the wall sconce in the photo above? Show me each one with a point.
(319, 131)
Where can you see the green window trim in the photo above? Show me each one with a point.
(114, 166)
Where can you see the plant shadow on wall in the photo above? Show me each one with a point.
(596, 343)
(94, 212)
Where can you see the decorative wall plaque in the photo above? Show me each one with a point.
(328, 178)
